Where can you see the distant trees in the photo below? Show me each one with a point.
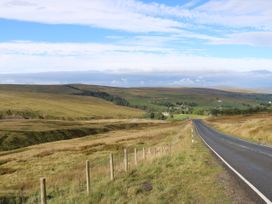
(20, 114)
(152, 115)
(236, 111)
(106, 96)
(157, 115)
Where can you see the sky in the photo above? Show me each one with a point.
(133, 36)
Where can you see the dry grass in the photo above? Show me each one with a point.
(64, 106)
(257, 128)
(188, 175)
(21, 133)
(52, 159)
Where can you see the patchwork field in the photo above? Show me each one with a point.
(256, 128)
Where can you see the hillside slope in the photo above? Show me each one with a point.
(20, 104)
(160, 99)
(155, 99)
(21, 133)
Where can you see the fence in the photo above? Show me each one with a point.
(116, 167)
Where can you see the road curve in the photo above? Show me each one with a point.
(252, 161)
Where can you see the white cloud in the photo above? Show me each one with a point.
(118, 15)
(136, 16)
(145, 51)
(38, 57)
(139, 17)
(248, 38)
(237, 13)
(184, 81)
(71, 49)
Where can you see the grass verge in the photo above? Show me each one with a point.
(255, 128)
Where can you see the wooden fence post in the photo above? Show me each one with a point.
(43, 190)
(111, 167)
(143, 153)
(135, 157)
(88, 180)
(125, 160)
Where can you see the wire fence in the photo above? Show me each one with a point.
(110, 167)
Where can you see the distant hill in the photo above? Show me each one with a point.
(162, 98)
(57, 102)
(151, 99)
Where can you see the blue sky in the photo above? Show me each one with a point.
(132, 36)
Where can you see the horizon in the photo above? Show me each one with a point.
(226, 89)
(257, 80)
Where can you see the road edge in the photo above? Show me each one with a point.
(252, 187)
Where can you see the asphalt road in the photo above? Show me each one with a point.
(252, 161)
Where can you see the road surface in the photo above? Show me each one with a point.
(252, 161)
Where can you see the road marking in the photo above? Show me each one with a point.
(230, 141)
(237, 173)
(245, 147)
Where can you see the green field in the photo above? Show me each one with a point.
(188, 116)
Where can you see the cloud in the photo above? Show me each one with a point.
(234, 13)
(37, 57)
(137, 16)
(118, 15)
(158, 35)
(119, 82)
(246, 38)
(71, 49)
(185, 81)
(227, 20)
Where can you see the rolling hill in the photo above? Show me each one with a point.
(152, 99)
(61, 105)
(50, 130)
(78, 102)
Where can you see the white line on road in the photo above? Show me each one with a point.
(237, 173)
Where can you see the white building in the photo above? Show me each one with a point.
(166, 114)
